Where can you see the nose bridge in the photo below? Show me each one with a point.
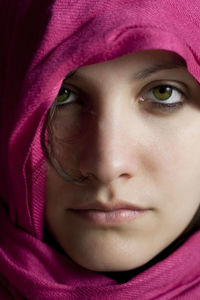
(109, 124)
(109, 129)
(107, 151)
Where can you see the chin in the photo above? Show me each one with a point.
(103, 261)
(110, 265)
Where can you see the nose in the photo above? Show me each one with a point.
(108, 152)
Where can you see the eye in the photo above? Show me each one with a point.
(164, 97)
(164, 93)
(65, 96)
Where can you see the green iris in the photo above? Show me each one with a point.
(162, 92)
(62, 95)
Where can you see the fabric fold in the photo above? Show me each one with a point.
(41, 43)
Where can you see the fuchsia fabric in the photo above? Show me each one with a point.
(41, 41)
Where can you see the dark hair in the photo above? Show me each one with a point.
(49, 153)
(121, 277)
(77, 177)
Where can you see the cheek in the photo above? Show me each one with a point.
(174, 148)
(180, 159)
(175, 164)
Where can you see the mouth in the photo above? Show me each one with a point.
(112, 214)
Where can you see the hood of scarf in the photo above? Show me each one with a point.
(42, 41)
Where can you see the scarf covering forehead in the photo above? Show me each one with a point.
(42, 41)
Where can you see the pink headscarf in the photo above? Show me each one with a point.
(41, 41)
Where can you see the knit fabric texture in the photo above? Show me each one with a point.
(42, 41)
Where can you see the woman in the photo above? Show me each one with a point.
(100, 144)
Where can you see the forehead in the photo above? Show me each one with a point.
(142, 63)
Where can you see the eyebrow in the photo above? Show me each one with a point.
(141, 75)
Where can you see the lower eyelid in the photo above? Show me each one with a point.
(168, 105)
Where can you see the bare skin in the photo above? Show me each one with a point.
(137, 153)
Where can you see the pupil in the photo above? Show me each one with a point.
(163, 89)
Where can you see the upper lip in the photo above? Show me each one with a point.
(112, 206)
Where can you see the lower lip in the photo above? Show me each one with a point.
(114, 217)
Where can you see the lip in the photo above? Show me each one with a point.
(109, 214)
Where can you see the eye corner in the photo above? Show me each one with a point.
(167, 102)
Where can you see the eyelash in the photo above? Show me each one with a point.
(163, 105)
(156, 105)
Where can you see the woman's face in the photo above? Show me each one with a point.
(133, 124)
